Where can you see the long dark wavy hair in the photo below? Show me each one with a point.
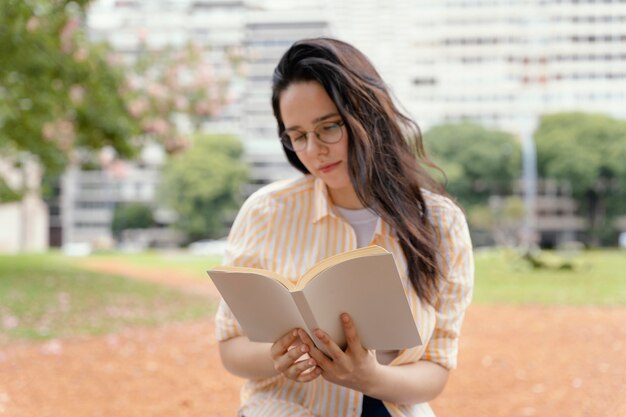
(386, 161)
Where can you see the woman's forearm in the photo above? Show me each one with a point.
(412, 383)
(247, 359)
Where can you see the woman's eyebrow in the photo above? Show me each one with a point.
(315, 121)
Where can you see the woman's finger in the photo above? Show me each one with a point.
(282, 344)
(297, 369)
(310, 374)
(315, 353)
(333, 350)
(352, 337)
(284, 362)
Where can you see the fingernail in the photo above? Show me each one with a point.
(303, 348)
(312, 362)
(345, 318)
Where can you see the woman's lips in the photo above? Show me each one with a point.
(327, 168)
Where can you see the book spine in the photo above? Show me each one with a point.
(309, 318)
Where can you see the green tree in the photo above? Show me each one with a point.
(58, 94)
(588, 151)
(501, 219)
(203, 185)
(131, 216)
(478, 162)
(62, 97)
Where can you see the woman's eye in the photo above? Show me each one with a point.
(330, 127)
(299, 138)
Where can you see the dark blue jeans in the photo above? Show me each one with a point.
(373, 408)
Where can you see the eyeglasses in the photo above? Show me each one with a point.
(328, 133)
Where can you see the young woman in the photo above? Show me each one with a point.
(364, 183)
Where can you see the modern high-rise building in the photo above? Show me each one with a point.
(496, 62)
(268, 34)
(382, 30)
(88, 198)
(504, 63)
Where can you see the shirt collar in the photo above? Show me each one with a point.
(324, 208)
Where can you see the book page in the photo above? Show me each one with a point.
(370, 290)
(337, 259)
(264, 272)
(263, 307)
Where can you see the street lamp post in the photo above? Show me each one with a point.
(537, 33)
(529, 181)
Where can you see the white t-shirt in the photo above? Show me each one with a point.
(363, 221)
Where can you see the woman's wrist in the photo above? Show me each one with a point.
(372, 383)
(369, 384)
(406, 384)
(247, 359)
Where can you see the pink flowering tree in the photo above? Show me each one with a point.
(63, 98)
(59, 97)
(171, 87)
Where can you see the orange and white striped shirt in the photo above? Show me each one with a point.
(289, 226)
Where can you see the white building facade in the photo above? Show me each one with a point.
(24, 223)
(268, 34)
(503, 63)
(496, 62)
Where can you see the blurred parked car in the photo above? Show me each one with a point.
(77, 249)
(622, 240)
(208, 247)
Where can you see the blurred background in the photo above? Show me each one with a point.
(521, 103)
(132, 130)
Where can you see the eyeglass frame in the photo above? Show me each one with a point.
(285, 139)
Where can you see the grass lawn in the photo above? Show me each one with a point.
(598, 278)
(48, 296)
(45, 297)
(192, 264)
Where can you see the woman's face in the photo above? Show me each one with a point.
(304, 106)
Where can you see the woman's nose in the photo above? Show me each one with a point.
(313, 144)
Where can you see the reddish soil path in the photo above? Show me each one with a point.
(173, 371)
(173, 277)
(514, 361)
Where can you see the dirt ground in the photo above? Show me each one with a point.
(514, 361)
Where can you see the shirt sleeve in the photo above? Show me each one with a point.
(243, 249)
(455, 293)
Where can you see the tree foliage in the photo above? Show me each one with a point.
(499, 221)
(162, 85)
(131, 216)
(203, 185)
(588, 151)
(477, 161)
(62, 97)
(58, 93)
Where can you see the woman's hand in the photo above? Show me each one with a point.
(355, 368)
(289, 354)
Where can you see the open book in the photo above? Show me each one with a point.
(363, 283)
